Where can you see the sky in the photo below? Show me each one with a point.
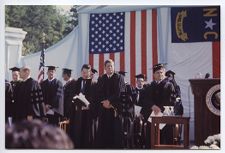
(64, 8)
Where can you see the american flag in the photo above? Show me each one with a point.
(139, 50)
(106, 33)
(41, 66)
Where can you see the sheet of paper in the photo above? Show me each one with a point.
(50, 112)
(137, 110)
(75, 97)
(82, 98)
(160, 114)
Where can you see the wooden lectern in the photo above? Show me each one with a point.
(207, 122)
(155, 131)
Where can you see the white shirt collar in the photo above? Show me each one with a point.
(51, 80)
(69, 80)
(109, 76)
(160, 81)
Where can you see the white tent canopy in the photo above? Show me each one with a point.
(63, 54)
(113, 8)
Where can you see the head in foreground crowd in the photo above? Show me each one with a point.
(36, 134)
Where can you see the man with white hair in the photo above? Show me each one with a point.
(29, 101)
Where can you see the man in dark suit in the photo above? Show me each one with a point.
(82, 114)
(128, 99)
(15, 83)
(160, 93)
(140, 126)
(53, 96)
(178, 108)
(9, 102)
(29, 102)
(140, 91)
(69, 91)
(110, 86)
(15, 77)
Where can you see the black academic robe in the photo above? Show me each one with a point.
(109, 128)
(16, 89)
(53, 96)
(128, 101)
(140, 97)
(178, 107)
(9, 102)
(81, 119)
(15, 84)
(140, 123)
(126, 116)
(29, 100)
(139, 101)
(160, 94)
(69, 92)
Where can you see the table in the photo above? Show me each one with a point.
(155, 131)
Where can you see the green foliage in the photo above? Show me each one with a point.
(73, 20)
(35, 20)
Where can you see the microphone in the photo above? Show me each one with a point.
(207, 75)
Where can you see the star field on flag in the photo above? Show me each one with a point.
(106, 33)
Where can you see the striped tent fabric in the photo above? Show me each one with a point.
(140, 46)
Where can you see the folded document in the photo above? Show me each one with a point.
(82, 98)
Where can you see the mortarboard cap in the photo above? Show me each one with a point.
(140, 76)
(15, 69)
(94, 70)
(169, 73)
(159, 66)
(122, 73)
(67, 71)
(51, 67)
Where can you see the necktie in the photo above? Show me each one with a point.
(138, 96)
(83, 86)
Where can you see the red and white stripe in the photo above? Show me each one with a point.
(141, 47)
(216, 59)
(41, 75)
